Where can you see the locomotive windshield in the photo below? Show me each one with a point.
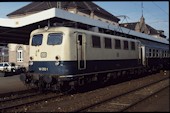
(37, 40)
(55, 39)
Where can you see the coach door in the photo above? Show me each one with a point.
(81, 51)
(143, 56)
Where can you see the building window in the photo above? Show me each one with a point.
(117, 44)
(108, 43)
(126, 47)
(96, 41)
(20, 54)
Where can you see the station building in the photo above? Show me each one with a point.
(142, 27)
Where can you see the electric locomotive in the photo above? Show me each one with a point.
(65, 57)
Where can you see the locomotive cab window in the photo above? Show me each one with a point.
(108, 43)
(37, 40)
(96, 41)
(55, 38)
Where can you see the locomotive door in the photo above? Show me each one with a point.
(81, 51)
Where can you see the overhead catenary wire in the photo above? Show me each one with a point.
(160, 8)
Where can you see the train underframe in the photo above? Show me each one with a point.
(71, 82)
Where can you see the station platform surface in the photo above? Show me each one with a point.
(11, 84)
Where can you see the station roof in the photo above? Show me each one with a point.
(20, 28)
(82, 6)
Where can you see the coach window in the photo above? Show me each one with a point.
(126, 47)
(132, 45)
(147, 52)
(108, 43)
(154, 53)
(150, 52)
(37, 40)
(117, 44)
(96, 41)
(165, 53)
(157, 53)
(55, 38)
(162, 53)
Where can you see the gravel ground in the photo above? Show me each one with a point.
(76, 101)
(157, 103)
(117, 104)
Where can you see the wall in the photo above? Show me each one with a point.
(19, 58)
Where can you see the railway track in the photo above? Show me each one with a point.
(8, 95)
(41, 101)
(21, 102)
(126, 100)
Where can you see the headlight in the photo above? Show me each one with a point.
(31, 63)
(57, 63)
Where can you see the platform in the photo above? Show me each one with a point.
(11, 84)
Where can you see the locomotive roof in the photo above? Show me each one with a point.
(40, 30)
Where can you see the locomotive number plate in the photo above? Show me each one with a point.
(43, 69)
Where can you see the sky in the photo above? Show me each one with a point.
(156, 13)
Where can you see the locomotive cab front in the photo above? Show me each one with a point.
(49, 55)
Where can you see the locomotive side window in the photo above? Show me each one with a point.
(96, 41)
(37, 40)
(108, 43)
(55, 38)
(132, 45)
(126, 46)
(117, 44)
